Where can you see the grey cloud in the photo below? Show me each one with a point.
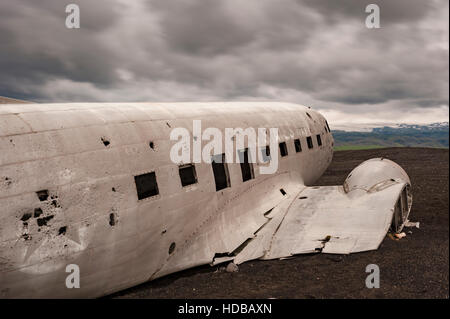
(199, 27)
(316, 52)
(221, 27)
(391, 11)
(37, 46)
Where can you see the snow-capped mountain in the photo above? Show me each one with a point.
(417, 135)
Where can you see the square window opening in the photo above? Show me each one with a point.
(146, 185)
(283, 149)
(298, 145)
(188, 175)
(220, 170)
(246, 166)
(309, 142)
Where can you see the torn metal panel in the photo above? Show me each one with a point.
(260, 244)
(351, 225)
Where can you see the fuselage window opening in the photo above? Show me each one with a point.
(283, 149)
(246, 166)
(146, 185)
(265, 151)
(319, 140)
(220, 170)
(309, 142)
(188, 175)
(328, 127)
(298, 145)
(308, 115)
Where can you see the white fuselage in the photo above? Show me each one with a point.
(68, 191)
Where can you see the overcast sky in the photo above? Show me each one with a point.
(313, 52)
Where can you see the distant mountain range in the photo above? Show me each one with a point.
(413, 135)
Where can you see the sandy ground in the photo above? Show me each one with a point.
(414, 267)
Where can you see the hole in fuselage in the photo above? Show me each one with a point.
(172, 248)
(282, 191)
(105, 141)
(25, 217)
(37, 212)
(62, 230)
(42, 195)
(43, 221)
(112, 219)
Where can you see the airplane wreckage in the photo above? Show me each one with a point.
(93, 185)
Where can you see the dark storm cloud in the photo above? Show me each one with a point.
(218, 27)
(201, 27)
(313, 52)
(393, 11)
(35, 45)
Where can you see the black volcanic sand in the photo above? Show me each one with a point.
(413, 267)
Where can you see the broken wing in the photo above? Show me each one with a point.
(344, 219)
